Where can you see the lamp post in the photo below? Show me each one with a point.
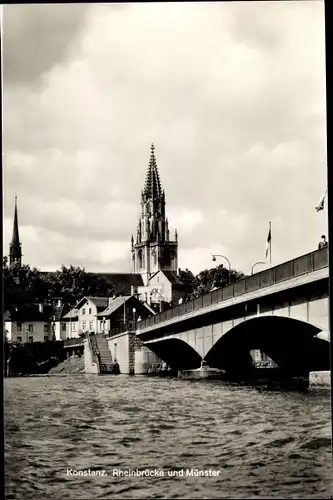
(223, 257)
(259, 262)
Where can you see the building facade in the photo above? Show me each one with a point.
(29, 324)
(108, 315)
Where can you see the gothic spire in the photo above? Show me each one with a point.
(15, 252)
(152, 185)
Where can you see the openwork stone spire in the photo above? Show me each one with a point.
(152, 187)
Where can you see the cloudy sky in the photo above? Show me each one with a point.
(232, 94)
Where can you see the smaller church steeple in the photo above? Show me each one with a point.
(15, 251)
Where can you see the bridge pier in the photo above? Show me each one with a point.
(320, 379)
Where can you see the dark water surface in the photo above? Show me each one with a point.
(266, 444)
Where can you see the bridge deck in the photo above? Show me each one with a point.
(302, 270)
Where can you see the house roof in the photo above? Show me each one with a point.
(100, 302)
(72, 314)
(122, 281)
(60, 311)
(29, 313)
(117, 302)
(172, 277)
(113, 305)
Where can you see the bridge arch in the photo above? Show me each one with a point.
(292, 344)
(176, 353)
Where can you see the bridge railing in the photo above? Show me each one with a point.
(287, 270)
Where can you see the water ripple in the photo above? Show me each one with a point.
(264, 444)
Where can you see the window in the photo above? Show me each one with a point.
(31, 339)
(140, 261)
(89, 310)
(46, 338)
(63, 327)
(158, 279)
(102, 325)
(19, 339)
(154, 257)
(46, 328)
(83, 325)
(19, 326)
(83, 312)
(91, 325)
(31, 328)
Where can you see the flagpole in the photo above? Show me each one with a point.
(270, 244)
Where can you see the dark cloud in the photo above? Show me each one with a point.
(36, 37)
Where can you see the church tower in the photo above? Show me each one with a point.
(152, 250)
(15, 251)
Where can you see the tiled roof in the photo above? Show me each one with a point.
(122, 281)
(173, 277)
(72, 314)
(116, 303)
(32, 313)
(100, 302)
(113, 305)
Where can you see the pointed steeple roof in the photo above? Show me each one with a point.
(153, 184)
(15, 238)
(15, 245)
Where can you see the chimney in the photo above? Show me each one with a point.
(132, 289)
(59, 303)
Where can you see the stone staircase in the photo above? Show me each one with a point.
(106, 365)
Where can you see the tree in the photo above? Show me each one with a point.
(71, 284)
(207, 279)
(22, 284)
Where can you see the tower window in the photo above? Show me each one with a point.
(154, 257)
(140, 258)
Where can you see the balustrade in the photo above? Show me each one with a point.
(301, 265)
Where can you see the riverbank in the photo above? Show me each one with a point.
(69, 366)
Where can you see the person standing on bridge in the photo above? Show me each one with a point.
(323, 242)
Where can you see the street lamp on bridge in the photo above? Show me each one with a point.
(223, 257)
(259, 262)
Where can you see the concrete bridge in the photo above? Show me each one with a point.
(281, 311)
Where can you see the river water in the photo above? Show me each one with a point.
(258, 443)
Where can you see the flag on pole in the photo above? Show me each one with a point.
(321, 202)
(268, 243)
